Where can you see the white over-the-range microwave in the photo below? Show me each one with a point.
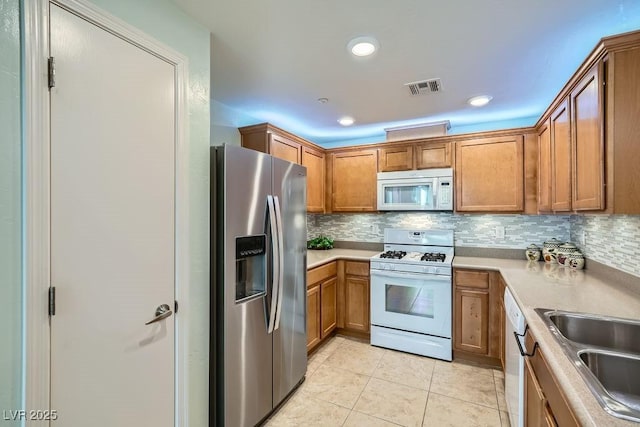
(416, 190)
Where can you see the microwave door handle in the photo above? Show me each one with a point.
(276, 264)
(435, 193)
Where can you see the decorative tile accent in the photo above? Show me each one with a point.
(470, 230)
(613, 240)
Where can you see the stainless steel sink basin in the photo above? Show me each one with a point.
(616, 334)
(606, 352)
(618, 375)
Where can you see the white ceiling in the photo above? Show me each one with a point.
(272, 59)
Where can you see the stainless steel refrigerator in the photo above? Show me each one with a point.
(258, 284)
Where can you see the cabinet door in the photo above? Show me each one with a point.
(471, 321)
(544, 168)
(587, 142)
(313, 317)
(284, 148)
(433, 155)
(395, 158)
(357, 303)
(328, 294)
(534, 400)
(561, 158)
(315, 164)
(490, 175)
(354, 181)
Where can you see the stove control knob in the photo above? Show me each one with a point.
(432, 270)
(393, 266)
(387, 267)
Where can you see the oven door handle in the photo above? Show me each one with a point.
(420, 276)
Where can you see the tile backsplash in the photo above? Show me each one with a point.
(613, 240)
(470, 230)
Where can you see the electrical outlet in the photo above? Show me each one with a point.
(583, 238)
(499, 232)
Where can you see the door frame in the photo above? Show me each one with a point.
(36, 345)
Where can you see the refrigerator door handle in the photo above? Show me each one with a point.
(280, 259)
(275, 245)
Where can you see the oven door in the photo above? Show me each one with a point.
(411, 302)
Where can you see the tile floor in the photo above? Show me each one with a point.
(351, 383)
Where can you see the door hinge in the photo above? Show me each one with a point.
(52, 301)
(51, 66)
(175, 307)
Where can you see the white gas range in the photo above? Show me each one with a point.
(411, 292)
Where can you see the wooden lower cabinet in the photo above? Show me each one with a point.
(321, 303)
(478, 316)
(328, 303)
(472, 320)
(357, 303)
(313, 317)
(544, 401)
(536, 410)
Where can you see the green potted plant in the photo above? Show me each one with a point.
(320, 242)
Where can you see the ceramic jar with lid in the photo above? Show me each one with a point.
(533, 252)
(563, 252)
(575, 261)
(549, 250)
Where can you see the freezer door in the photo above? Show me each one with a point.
(246, 344)
(290, 337)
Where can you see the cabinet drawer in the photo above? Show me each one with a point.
(357, 268)
(471, 278)
(321, 273)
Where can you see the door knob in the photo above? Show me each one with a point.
(162, 312)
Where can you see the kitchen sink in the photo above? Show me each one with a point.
(606, 352)
(613, 333)
(618, 375)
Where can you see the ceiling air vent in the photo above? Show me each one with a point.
(425, 86)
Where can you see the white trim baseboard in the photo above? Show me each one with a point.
(36, 341)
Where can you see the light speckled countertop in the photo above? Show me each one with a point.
(316, 258)
(540, 285)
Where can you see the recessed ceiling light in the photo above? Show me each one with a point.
(479, 101)
(363, 46)
(323, 100)
(346, 121)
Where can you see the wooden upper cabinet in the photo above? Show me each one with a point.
(285, 148)
(397, 158)
(354, 180)
(433, 155)
(587, 142)
(314, 161)
(490, 174)
(561, 159)
(544, 168)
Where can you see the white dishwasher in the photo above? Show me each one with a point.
(515, 328)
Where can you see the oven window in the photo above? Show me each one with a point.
(409, 300)
(420, 195)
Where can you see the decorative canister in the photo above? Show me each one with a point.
(575, 261)
(549, 249)
(533, 252)
(564, 251)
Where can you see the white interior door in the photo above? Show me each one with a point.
(112, 228)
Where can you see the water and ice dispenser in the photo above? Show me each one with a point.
(251, 265)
